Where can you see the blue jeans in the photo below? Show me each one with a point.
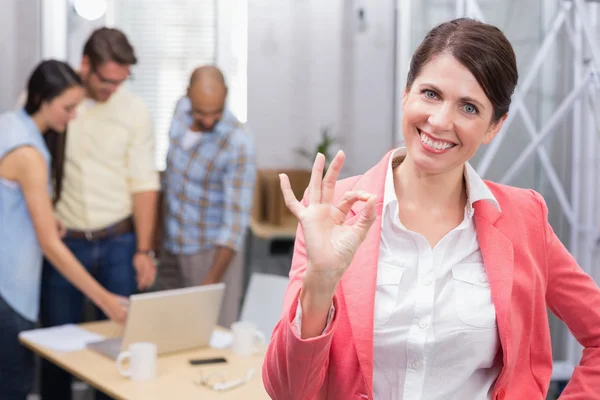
(16, 362)
(110, 261)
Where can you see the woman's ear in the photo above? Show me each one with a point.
(494, 129)
(404, 97)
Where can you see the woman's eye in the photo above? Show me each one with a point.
(429, 94)
(470, 109)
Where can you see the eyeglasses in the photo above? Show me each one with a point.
(216, 381)
(108, 81)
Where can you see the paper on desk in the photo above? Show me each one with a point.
(68, 337)
(220, 339)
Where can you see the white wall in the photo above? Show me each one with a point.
(20, 47)
(79, 30)
(232, 52)
(54, 28)
(309, 67)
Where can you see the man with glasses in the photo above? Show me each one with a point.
(109, 194)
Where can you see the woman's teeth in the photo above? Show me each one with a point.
(435, 144)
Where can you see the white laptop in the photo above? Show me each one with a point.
(174, 320)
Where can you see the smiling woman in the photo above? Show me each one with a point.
(420, 280)
(458, 92)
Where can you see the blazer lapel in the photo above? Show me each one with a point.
(498, 257)
(359, 281)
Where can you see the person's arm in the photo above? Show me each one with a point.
(31, 172)
(145, 205)
(180, 114)
(144, 186)
(238, 191)
(159, 227)
(294, 367)
(574, 297)
(144, 217)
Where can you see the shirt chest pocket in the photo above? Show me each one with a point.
(473, 296)
(386, 295)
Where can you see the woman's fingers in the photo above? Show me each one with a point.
(346, 203)
(331, 177)
(316, 178)
(289, 197)
(366, 219)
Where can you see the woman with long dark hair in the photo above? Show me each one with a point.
(32, 145)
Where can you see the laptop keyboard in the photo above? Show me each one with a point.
(110, 347)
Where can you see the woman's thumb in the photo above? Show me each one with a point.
(366, 219)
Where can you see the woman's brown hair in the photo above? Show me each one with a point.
(482, 49)
(49, 80)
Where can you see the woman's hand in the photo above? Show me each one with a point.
(62, 230)
(330, 241)
(114, 307)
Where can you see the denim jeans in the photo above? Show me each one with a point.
(110, 261)
(16, 362)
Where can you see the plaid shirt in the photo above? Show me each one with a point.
(208, 187)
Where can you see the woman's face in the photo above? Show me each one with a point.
(62, 109)
(446, 116)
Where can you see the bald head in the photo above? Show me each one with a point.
(209, 74)
(207, 92)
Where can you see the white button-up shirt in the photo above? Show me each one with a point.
(435, 333)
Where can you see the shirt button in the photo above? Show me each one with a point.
(417, 365)
(427, 281)
(423, 324)
(501, 394)
(483, 278)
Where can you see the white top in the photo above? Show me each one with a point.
(435, 333)
(190, 138)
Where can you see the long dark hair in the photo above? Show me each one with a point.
(49, 80)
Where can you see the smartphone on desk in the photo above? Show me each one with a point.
(205, 361)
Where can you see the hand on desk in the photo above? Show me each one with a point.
(208, 280)
(115, 307)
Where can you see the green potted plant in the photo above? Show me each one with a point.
(323, 147)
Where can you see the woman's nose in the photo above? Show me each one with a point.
(442, 119)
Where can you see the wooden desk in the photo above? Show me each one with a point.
(175, 376)
(287, 230)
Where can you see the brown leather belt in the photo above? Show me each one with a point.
(121, 227)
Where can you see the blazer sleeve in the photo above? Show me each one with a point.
(574, 297)
(295, 368)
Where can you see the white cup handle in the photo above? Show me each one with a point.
(259, 341)
(122, 357)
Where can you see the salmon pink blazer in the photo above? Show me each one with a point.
(528, 268)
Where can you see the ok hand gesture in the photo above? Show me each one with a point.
(330, 241)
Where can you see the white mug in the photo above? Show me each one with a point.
(142, 361)
(247, 339)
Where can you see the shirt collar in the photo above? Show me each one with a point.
(227, 122)
(476, 188)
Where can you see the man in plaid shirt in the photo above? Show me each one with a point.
(208, 189)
